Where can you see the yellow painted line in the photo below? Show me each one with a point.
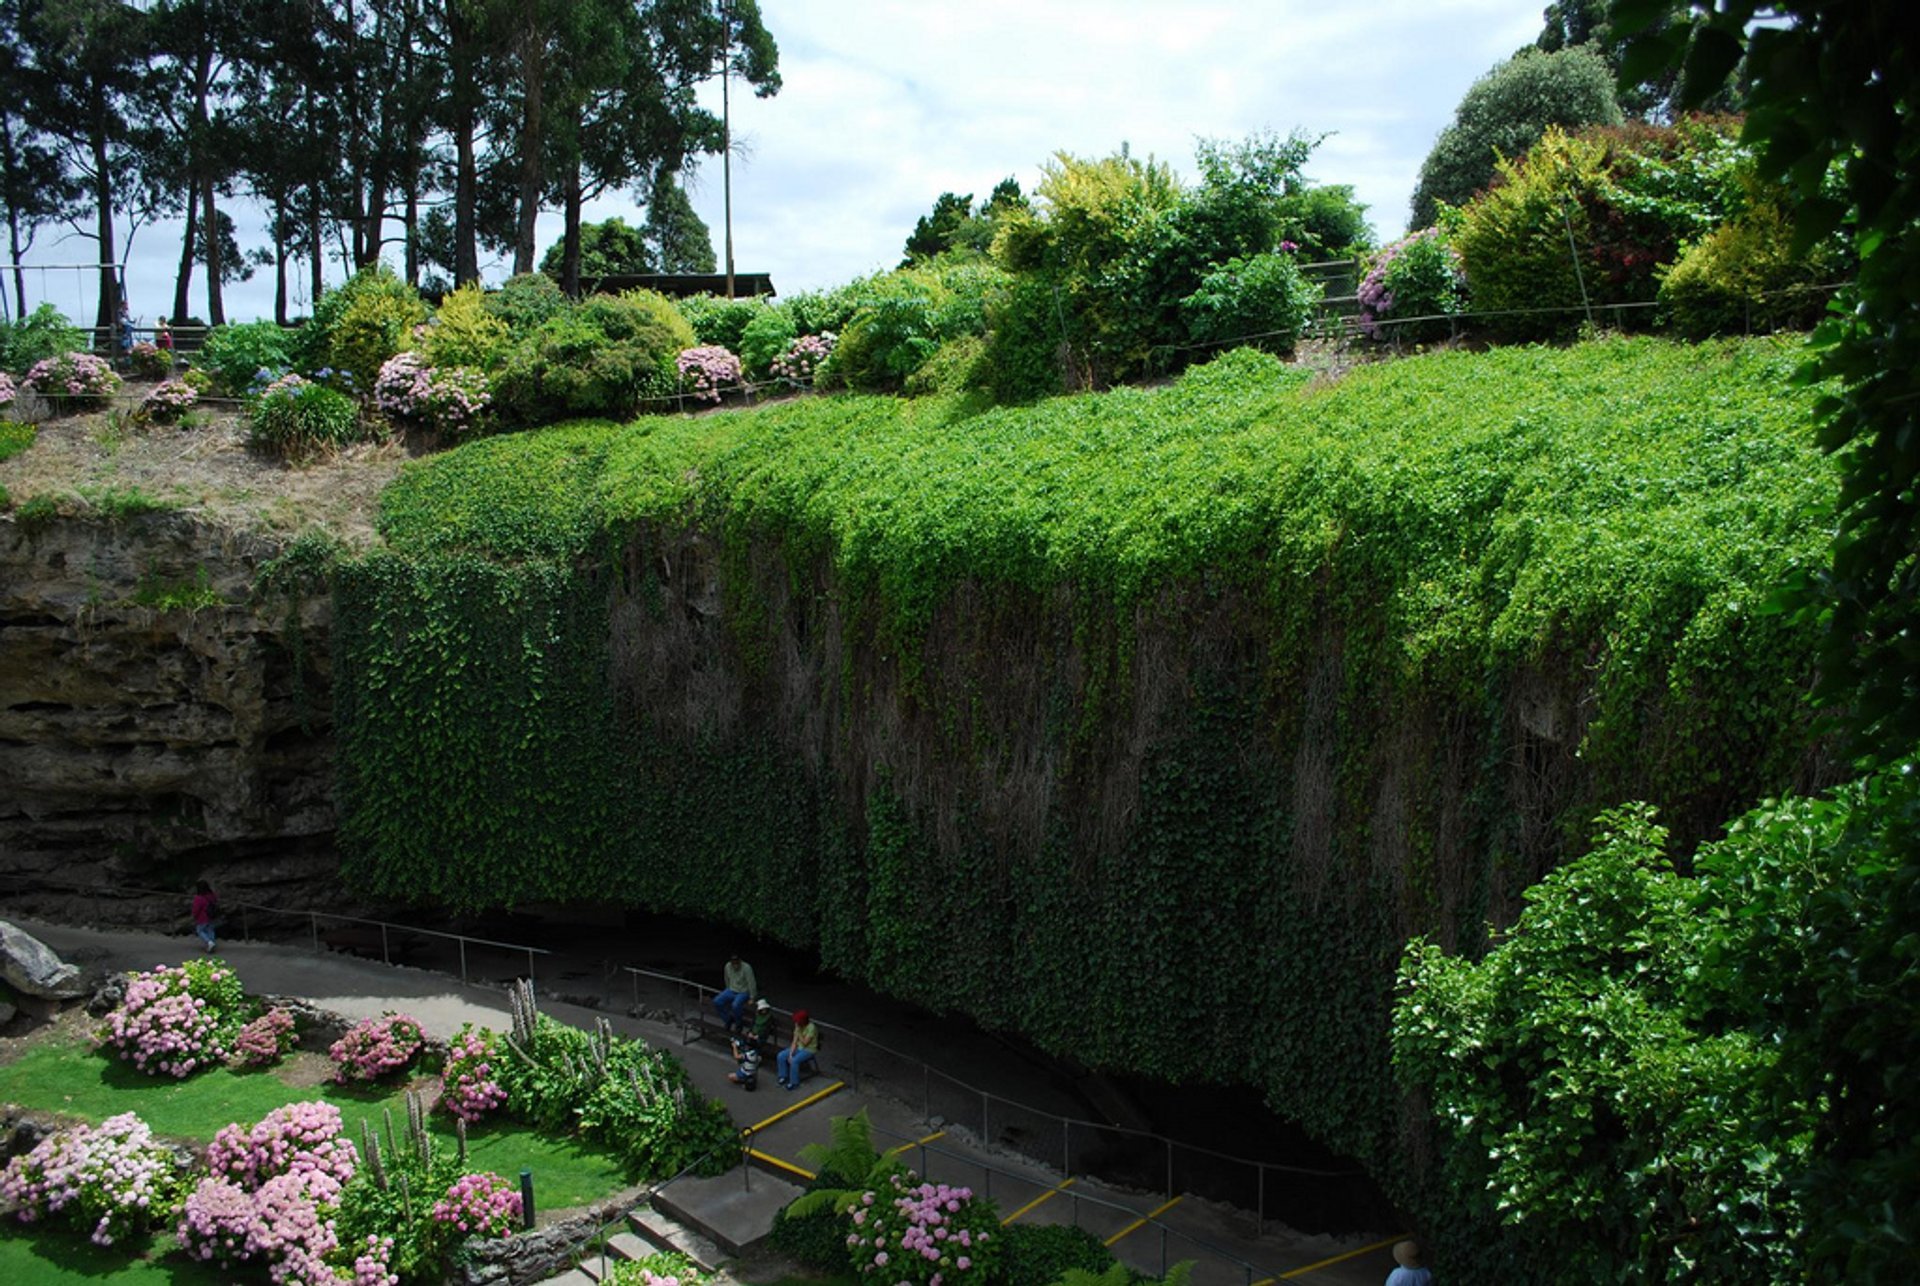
(807, 1102)
(1055, 1191)
(1351, 1254)
(775, 1161)
(937, 1134)
(1141, 1222)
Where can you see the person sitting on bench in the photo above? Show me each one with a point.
(737, 992)
(800, 1051)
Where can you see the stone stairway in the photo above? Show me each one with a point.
(710, 1221)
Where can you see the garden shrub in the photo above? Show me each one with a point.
(451, 400)
(800, 364)
(1047, 1252)
(149, 361)
(374, 1048)
(466, 331)
(264, 1041)
(234, 354)
(925, 1234)
(1261, 301)
(177, 1020)
(300, 1139)
(719, 322)
(8, 390)
(116, 1177)
(602, 358)
(295, 418)
(954, 368)
(663, 1269)
(527, 302)
(886, 342)
(815, 312)
(1026, 355)
(469, 1088)
(41, 334)
(1744, 277)
(766, 339)
(74, 382)
(271, 1193)
(371, 317)
(165, 403)
(707, 372)
(1417, 276)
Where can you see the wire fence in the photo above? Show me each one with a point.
(1119, 1155)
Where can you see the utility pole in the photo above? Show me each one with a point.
(726, 131)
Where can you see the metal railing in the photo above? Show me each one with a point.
(1112, 1153)
(395, 940)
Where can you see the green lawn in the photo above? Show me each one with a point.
(57, 1256)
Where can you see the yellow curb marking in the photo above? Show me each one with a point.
(1055, 1191)
(1141, 1222)
(1351, 1254)
(937, 1134)
(775, 1161)
(809, 1101)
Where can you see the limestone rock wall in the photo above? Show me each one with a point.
(159, 721)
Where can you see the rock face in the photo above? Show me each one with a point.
(160, 720)
(32, 967)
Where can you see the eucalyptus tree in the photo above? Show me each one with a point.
(35, 187)
(85, 83)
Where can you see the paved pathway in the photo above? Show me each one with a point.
(1145, 1230)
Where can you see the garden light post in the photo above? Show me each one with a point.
(526, 1199)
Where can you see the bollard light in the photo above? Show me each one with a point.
(526, 1199)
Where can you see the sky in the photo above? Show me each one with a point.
(888, 104)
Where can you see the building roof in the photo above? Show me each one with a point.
(679, 285)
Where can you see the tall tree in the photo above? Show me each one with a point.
(34, 185)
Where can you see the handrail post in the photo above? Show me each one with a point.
(1169, 1171)
(1260, 1202)
(313, 923)
(463, 959)
(386, 956)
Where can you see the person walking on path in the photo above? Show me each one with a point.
(206, 907)
(737, 993)
(1410, 1272)
(800, 1051)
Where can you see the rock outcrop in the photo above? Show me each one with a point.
(160, 719)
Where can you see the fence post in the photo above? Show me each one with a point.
(1169, 1169)
(463, 960)
(313, 923)
(386, 956)
(1066, 1145)
(1260, 1202)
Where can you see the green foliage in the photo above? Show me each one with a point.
(296, 419)
(527, 302)
(607, 248)
(43, 333)
(365, 321)
(1262, 301)
(764, 340)
(1324, 223)
(1046, 1252)
(116, 504)
(649, 1269)
(15, 438)
(601, 357)
(1504, 113)
(719, 321)
(1744, 277)
(1417, 277)
(167, 595)
(392, 1194)
(466, 332)
(1120, 1275)
(901, 318)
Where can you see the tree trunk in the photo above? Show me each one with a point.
(183, 281)
(570, 247)
(280, 251)
(532, 73)
(108, 313)
(466, 182)
(216, 299)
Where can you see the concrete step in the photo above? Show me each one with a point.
(662, 1233)
(734, 1211)
(572, 1277)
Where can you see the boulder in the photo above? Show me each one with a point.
(32, 969)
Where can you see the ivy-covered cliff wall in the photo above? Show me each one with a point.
(1125, 721)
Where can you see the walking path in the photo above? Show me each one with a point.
(1147, 1231)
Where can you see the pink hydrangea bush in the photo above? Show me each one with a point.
(804, 357)
(8, 390)
(450, 399)
(923, 1234)
(169, 401)
(175, 1021)
(479, 1205)
(664, 1269)
(74, 381)
(376, 1047)
(467, 1085)
(373, 1266)
(115, 1177)
(302, 1139)
(708, 369)
(264, 1041)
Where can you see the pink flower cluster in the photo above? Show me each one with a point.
(483, 1204)
(467, 1087)
(803, 358)
(80, 376)
(301, 1139)
(7, 389)
(451, 399)
(706, 370)
(115, 1175)
(162, 1028)
(264, 1041)
(373, 1265)
(374, 1047)
(925, 1234)
(168, 401)
(265, 1197)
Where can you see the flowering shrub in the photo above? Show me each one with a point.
(169, 401)
(74, 381)
(924, 1234)
(373, 1265)
(292, 416)
(175, 1021)
(150, 361)
(1417, 276)
(665, 1269)
(301, 1139)
(704, 371)
(374, 1047)
(482, 1204)
(467, 1086)
(449, 399)
(804, 357)
(115, 1177)
(264, 1041)
(7, 390)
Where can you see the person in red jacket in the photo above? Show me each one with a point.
(205, 907)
